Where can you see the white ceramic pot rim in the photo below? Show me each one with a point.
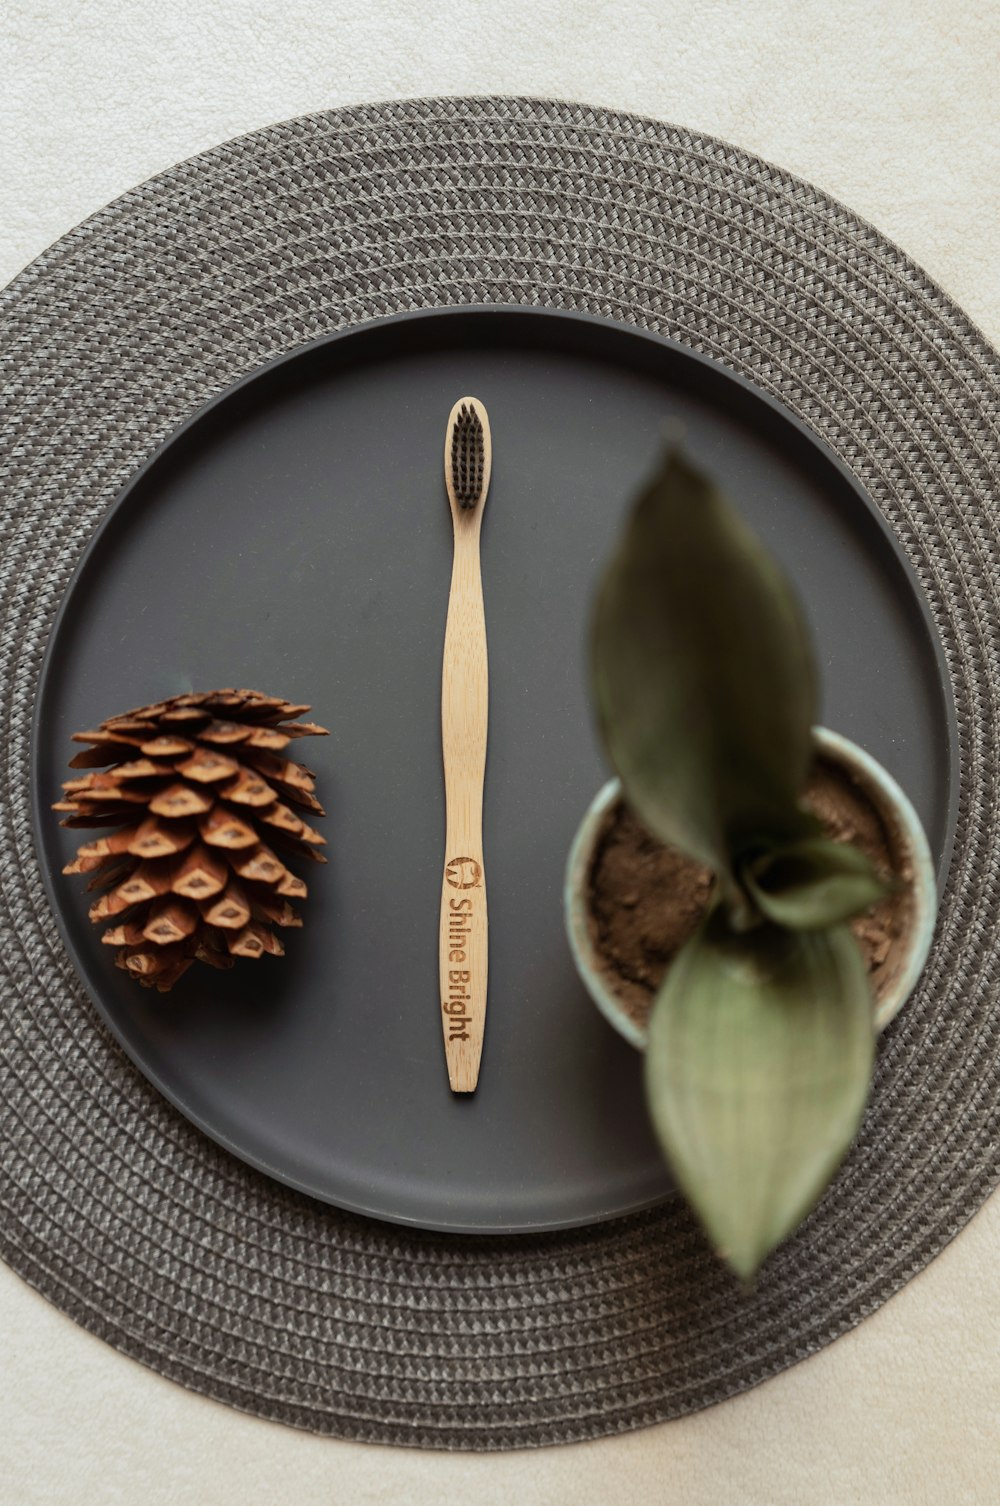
(886, 795)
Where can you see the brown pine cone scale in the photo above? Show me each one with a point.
(200, 792)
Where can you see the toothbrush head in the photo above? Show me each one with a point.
(467, 454)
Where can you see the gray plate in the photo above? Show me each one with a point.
(294, 536)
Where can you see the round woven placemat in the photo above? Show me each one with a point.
(110, 1203)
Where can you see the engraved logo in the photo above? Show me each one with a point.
(464, 873)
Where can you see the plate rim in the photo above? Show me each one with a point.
(497, 313)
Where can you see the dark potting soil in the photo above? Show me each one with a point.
(646, 899)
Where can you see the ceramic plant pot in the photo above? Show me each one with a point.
(911, 860)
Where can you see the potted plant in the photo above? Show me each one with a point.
(753, 897)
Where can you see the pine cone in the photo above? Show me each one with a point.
(187, 877)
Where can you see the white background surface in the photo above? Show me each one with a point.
(891, 106)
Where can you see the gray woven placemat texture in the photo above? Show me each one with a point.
(110, 1203)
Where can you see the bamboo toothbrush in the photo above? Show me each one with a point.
(464, 709)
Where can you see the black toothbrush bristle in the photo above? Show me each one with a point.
(468, 457)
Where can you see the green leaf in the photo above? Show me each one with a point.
(813, 884)
(703, 679)
(757, 1069)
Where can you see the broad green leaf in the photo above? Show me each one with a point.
(813, 884)
(757, 1069)
(703, 678)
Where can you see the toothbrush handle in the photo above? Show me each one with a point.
(464, 714)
